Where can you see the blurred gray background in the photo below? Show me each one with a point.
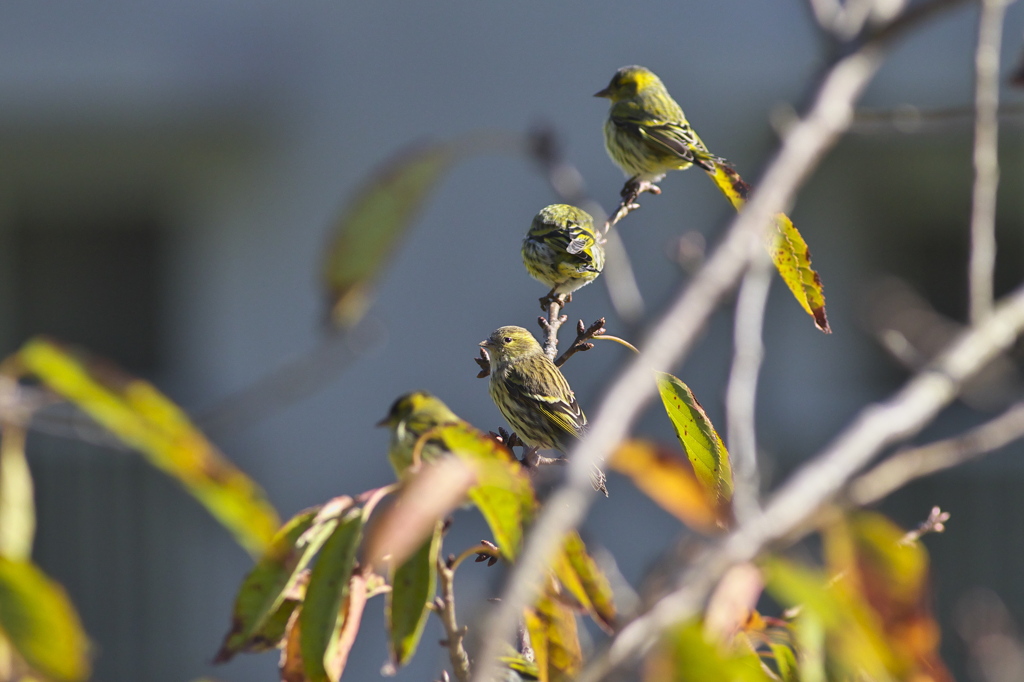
(169, 173)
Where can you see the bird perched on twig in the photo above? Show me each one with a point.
(647, 134)
(562, 251)
(533, 395)
(410, 417)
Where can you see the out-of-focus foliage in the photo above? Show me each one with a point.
(668, 479)
(41, 624)
(866, 616)
(686, 653)
(144, 419)
(554, 638)
(413, 586)
(313, 614)
(17, 496)
(583, 578)
(384, 208)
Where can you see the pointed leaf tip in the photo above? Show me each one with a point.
(696, 433)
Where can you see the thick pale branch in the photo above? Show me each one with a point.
(912, 463)
(741, 391)
(820, 481)
(986, 160)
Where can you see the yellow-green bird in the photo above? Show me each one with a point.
(533, 395)
(411, 416)
(561, 249)
(647, 134)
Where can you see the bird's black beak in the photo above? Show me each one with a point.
(382, 422)
(603, 93)
(485, 343)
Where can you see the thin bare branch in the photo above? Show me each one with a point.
(912, 463)
(935, 523)
(909, 119)
(986, 159)
(583, 341)
(444, 606)
(741, 391)
(551, 324)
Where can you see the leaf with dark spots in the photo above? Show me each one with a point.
(697, 434)
(787, 247)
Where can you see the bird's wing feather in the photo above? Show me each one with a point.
(562, 409)
(682, 141)
(673, 136)
(575, 241)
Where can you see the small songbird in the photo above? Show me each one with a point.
(533, 395)
(411, 416)
(646, 133)
(561, 249)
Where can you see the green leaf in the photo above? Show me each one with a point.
(554, 638)
(581, 576)
(143, 418)
(686, 654)
(320, 618)
(856, 646)
(502, 493)
(413, 587)
(891, 577)
(371, 228)
(698, 437)
(261, 608)
(41, 624)
(17, 500)
(785, 662)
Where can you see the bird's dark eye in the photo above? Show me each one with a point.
(508, 339)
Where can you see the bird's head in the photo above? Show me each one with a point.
(562, 215)
(418, 403)
(509, 344)
(628, 81)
